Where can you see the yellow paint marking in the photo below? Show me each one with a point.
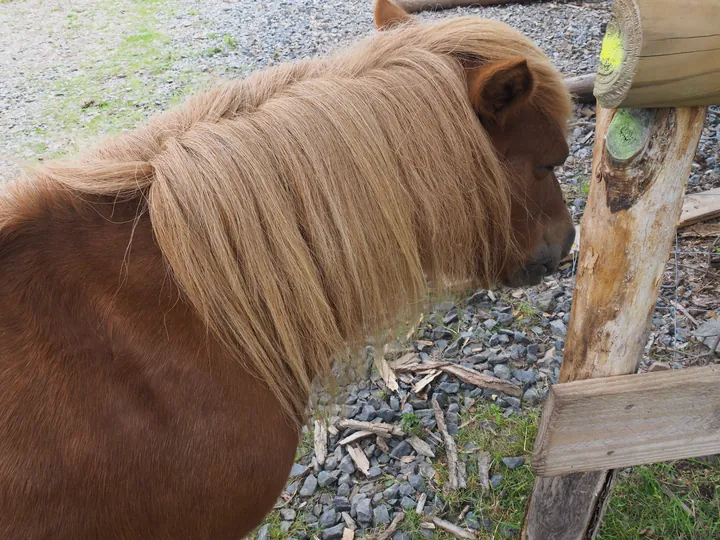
(611, 53)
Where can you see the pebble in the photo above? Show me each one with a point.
(496, 480)
(363, 511)
(381, 515)
(263, 532)
(501, 371)
(545, 301)
(325, 478)
(558, 327)
(341, 504)
(288, 514)
(401, 450)
(531, 396)
(449, 388)
(309, 486)
(298, 470)
(328, 518)
(347, 465)
(525, 376)
(333, 533)
(513, 462)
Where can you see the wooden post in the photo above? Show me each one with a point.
(641, 163)
(660, 53)
(414, 6)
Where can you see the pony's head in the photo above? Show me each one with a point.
(523, 107)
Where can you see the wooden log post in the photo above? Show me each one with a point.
(660, 53)
(641, 163)
(581, 88)
(415, 6)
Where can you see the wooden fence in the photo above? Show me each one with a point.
(659, 69)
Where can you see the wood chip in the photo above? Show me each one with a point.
(685, 312)
(359, 457)
(320, 438)
(426, 380)
(484, 470)
(356, 437)
(387, 533)
(387, 374)
(421, 503)
(421, 447)
(461, 475)
(450, 449)
(466, 375)
(456, 531)
(379, 428)
(348, 534)
(406, 359)
(462, 514)
(382, 444)
(349, 521)
(471, 376)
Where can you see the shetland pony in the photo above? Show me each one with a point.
(169, 297)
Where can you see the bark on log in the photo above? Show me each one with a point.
(641, 163)
(581, 88)
(660, 53)
(415, 6)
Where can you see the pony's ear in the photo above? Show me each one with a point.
(388, 15)
(496, 89)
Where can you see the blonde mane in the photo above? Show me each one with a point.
(314, 203)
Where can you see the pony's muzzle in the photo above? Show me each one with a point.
(544, 261)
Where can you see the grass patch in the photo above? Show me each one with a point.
(665, 500)
(410, 423)
(688, 507)
(585, 186)
(118, 87)
(229, 42)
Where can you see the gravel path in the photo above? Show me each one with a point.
(75, 71)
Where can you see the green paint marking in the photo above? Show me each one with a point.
(627, 133)
(611, 54)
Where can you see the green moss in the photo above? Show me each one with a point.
(628, 132)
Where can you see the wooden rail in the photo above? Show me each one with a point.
(618, 422)
(660, 53)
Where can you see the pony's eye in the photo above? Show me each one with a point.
(544, 171)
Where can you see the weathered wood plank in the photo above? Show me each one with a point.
(660, 53)
(619, 422)
(641, 163)
(700, 207)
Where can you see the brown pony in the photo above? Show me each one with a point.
(169, 298)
